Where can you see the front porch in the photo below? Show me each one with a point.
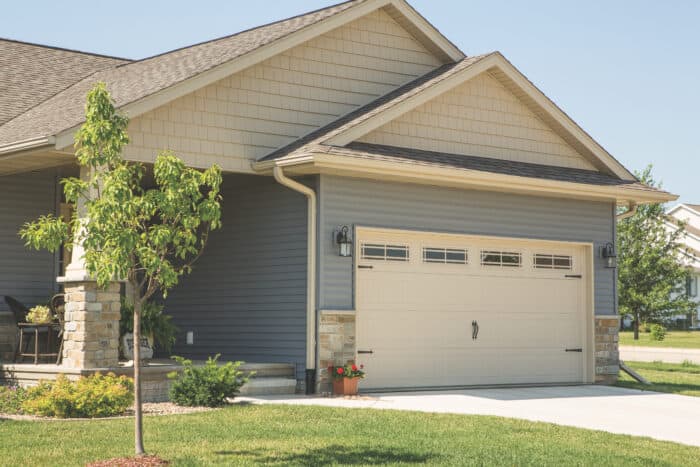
(244, 299)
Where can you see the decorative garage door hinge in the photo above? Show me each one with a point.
(573, 276)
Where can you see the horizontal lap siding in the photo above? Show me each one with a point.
(266, 106)
(29, 276)
(246, 296)
(348, 201)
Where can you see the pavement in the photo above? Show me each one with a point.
(635, 353)
(660, 416)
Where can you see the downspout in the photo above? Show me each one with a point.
(310, 194)
(631, 209)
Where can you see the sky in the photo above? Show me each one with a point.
(627, 71)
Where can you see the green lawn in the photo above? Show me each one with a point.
(665, 377)
(679, 339)
(289, 435)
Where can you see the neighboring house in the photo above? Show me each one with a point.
(689, 215)
(477, 209)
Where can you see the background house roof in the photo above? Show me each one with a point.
(31, 73)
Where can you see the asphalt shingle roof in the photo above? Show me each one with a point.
(483, 164)
(135, 80)
(31, 73)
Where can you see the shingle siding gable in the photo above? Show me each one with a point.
(269, 105)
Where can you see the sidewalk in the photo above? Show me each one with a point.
(658, 354)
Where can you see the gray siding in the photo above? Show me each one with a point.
(246, 296)
(348, 201)
(29, 276)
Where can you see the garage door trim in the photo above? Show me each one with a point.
(586, 268)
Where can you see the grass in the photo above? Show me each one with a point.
(676, 378)
(293, 435)
(678, 339)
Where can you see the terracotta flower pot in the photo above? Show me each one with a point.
(345, 386)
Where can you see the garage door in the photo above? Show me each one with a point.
(444, 310)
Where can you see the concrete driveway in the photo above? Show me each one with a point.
(617, 410)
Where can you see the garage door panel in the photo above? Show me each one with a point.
(417, 317)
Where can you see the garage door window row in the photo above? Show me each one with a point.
(441, 255)
(383, 252)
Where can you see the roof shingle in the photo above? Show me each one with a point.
(31, 73)
(133, 81)
(482, 164)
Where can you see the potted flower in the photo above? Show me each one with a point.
(39, 314)
(345, 378)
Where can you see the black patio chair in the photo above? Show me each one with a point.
(17, 308)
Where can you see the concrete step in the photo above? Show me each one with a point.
(263, 370)
(269, 385)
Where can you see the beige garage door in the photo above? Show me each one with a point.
(444, 310)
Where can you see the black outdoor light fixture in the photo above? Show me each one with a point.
(608, 253)
(343, 241)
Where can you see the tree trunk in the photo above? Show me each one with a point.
(138, 421)
(636, 326)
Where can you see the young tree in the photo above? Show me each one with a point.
(147, 237)
(651, 274)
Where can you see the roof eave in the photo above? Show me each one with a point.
(24, 145)
(319, 162)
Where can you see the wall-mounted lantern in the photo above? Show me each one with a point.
(607, 252)
(342, 239)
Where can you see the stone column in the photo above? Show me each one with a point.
(607, 355)
(91, 333)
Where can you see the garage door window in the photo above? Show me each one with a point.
(376, 251)
(546, 261)
(445, 255)
(508, 259)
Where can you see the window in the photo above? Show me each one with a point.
(691, 286)
(445, 255)
(384, 252)
(545, 261)
(509, 259)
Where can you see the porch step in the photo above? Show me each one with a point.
(269, 385)
(263, 370)
(270, 378)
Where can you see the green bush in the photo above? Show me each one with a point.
(658, 332)
(11, 399)
(153, 322)
(208, 385)
(645, 327)
(90, 396)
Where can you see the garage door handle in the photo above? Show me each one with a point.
(475, 330)
(365, 351)
(573, 350)
(573, 276)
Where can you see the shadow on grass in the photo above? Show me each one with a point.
(334, 454)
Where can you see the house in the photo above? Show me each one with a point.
(689, 215)
(387, 200)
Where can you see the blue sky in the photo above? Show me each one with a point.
(627, 72)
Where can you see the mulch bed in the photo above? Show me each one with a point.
(142, 461)
(149, 408)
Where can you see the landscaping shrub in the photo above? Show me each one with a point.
(11, 399)
(91, 396)
(208, 385)
(658, 332)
